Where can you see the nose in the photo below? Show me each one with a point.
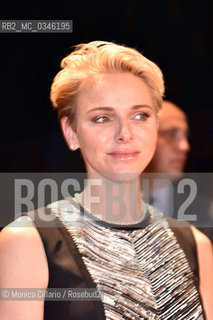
(123, 133)
(183, 144)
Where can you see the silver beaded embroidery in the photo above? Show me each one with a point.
(142, 274)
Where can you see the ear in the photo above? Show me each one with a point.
(69, 134)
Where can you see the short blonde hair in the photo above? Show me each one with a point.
(101, 57)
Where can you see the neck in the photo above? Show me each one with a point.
(113, 201)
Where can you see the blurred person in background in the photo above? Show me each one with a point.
(172, 145)
(168, 164)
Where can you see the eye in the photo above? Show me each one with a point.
(169, 134)
(172, 134)
(100, 119)
(142, 116)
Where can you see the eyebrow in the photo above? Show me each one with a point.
(135, 107)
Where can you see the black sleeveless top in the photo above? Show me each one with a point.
(67, 268)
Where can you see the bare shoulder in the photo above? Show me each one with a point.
(23, 261)
(205, 263)
(202, 241)
(204, 252)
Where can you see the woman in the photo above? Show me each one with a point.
(108, 97)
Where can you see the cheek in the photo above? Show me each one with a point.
(95, 139)
(93, 143)
(148, 142)
(152, 146)
(153, 138)
(149, 138)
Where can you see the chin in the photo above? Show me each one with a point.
(122, 177)
(175, 175)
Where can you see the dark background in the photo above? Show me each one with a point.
(176, 34)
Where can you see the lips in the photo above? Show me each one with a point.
(124, 155)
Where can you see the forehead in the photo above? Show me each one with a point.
(112, 88)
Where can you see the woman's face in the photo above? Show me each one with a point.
(116, 125)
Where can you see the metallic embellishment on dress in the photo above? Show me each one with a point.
(142, 274)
